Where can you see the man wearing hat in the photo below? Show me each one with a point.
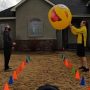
(8, 44)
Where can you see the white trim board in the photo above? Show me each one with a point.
(14, 8)
(4, 18)
(49, 2)
(81, 16)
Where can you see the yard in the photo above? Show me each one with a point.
(44, 68)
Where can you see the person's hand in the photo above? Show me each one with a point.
(13, 48)
(14, 43)
(70, 25)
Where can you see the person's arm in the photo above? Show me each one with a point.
(72, 30)
(76, 30)
(7, 39)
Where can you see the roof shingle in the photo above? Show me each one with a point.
(7, 13)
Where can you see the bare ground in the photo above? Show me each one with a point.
(44, 68)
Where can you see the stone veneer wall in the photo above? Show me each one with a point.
(36, 45)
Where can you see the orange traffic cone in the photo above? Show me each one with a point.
(6, 86)
(66, 63)
(23, 65)
(18, 70)
(25, 62)
(88, 88)
(77, 76)
(15, 75)
(70, 65)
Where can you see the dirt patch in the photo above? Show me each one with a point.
(44, 68)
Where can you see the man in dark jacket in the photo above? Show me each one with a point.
(7, 47)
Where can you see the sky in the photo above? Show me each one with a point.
(7, 3)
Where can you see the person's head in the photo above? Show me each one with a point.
(83, 23)
(7, 28)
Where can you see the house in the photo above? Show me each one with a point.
(7, 17)
(32, 30)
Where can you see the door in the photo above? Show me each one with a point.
(1, 35)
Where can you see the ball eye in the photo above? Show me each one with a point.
(66, 14)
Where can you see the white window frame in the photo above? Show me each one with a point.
(2, 27)
(35, 28)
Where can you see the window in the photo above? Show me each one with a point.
(35, 28)
(1, 34)
(2, 26)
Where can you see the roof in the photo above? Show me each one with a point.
(22, 1)
(10, 13)
(76, 11)
(77, 7)
(7, 13)
(72, 4)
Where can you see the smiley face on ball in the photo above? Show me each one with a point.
(60, 16)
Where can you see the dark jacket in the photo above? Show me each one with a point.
(7, 39)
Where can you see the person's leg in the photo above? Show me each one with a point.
(81, 64)
(84, 59)
(8, 57)
(81, 61)
(5, 59)
(79, 54)
(86, 68)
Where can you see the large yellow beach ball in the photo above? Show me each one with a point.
(60, 16)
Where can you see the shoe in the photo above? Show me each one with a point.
(8, 69)
(85, 70)
(82, 67)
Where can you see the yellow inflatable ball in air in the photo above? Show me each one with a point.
(60, 16)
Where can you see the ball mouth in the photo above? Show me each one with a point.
(48, 87)
(55, 17)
